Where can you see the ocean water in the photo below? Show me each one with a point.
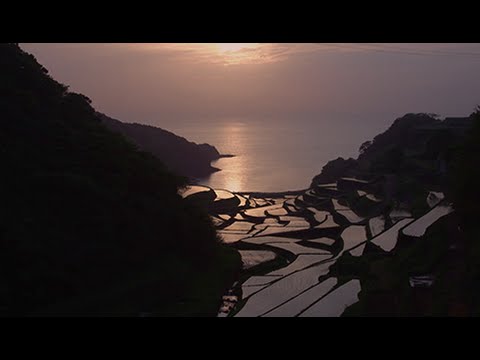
(273, 155)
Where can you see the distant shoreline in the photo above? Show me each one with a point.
(251, 193)
(214, 169)
(271, 194)
(256, 193)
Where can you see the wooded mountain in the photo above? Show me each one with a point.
(177, 153)
(89, 224)
(416, 145)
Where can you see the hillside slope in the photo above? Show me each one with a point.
(178, 154)
(88, 223)
(415, 146)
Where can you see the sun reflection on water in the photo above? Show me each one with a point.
(233, 169)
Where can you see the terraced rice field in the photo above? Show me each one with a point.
(373, 198)
(388, 239)
(229, 237)
(301, 302)
(300, 263)
(376, 225)
(420, 226)
(319, 215)
(243, 226)
(351, 216)
(353, 236)
(223, 195)
(335, 303)
(329, 223)
(251, 258)
(315, 231)
(194, 189)
(279, 292)
(323, 241)
(434, 198)
(399, 214)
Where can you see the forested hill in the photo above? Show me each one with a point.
(416, 145)
(180, 155)
(88, 223)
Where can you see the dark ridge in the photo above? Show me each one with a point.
(88, 223)
(177, 153)
(417, 145)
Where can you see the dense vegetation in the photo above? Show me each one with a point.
(88, 223)
(385, 277)
(463, 180)
(178, 154)
(413, 154)
(413, 151)
(465, 175)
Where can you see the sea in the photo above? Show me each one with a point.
(273, 155)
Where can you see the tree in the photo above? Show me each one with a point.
(464, 173)
(364, 146)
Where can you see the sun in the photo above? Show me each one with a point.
(227, 53)
(238, 53)
(234, 47)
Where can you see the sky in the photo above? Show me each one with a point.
(371, 83)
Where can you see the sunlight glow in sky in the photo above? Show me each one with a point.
(222, 53)
(226, 48)
(336, 95)
(263, 53)
(238, 53)
(152, 83)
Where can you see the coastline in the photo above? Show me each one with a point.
(271, 193)
(214, 169)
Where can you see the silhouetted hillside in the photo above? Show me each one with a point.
(464, 169)
(88, 223)
(415, 145)
(463, 180)
(180, 155)
(420, 165)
